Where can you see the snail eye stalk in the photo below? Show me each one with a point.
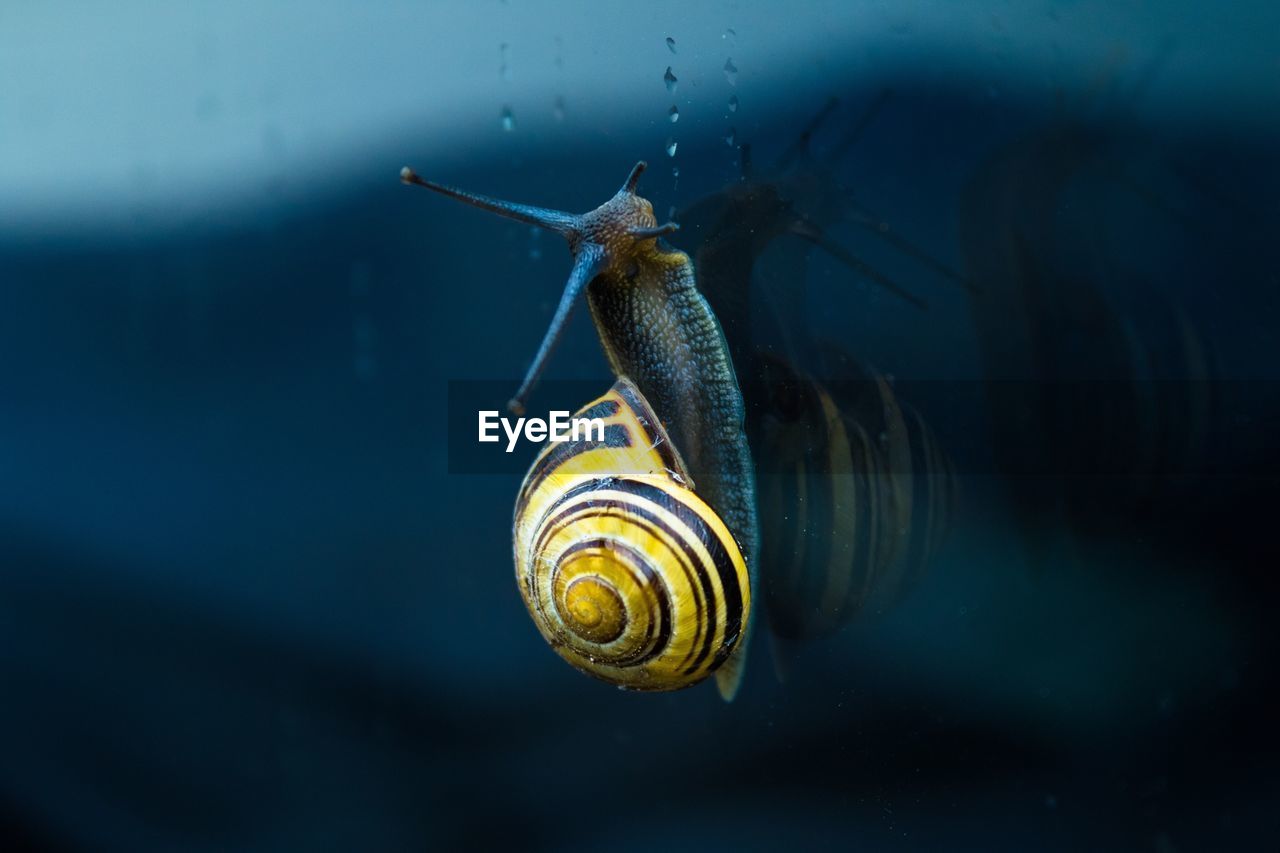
(588, 264)
(564, 224)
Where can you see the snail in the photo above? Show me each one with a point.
(659, 333)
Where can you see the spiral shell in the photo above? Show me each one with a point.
(628, 574)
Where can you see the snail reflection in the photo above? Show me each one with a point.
(856, 493)
(856, 499)
(1095, 367)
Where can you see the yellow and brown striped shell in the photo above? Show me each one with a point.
(628, 574)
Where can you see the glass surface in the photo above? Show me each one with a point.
(998, 282)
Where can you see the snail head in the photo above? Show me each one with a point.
(607, 238)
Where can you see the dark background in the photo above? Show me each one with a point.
(245, 605)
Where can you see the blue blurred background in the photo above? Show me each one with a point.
(245, 605)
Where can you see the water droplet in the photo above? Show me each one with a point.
(730, 36)
(670, 80)
(671, 44)
(503, 71)
(731, 138)
(671, 147)
(558, 109)
(731, 72)
(673, 114)
(535, 243)
(508, 119)
(733, 103)
(675, 171)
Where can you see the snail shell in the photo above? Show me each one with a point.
(629, 575)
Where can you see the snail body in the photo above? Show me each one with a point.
(659, 332)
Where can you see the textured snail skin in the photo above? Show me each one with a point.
(629, 575)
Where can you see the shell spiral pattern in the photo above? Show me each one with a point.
(628, 574)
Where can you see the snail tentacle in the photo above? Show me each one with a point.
(587, 265)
